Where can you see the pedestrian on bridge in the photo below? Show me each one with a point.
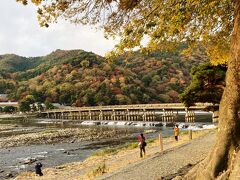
(142, 144)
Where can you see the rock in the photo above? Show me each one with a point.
(169, 124)
(158, 125)
(1, 171)
(185, 126)
(68, 153)
(200, 126)
(97, 123)
(30, 161)
(150, 131)
(60, 167)
(9, 175)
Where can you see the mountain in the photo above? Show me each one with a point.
(77, 77)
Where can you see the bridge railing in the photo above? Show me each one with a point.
(135, 106)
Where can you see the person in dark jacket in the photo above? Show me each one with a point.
(142, 144)
(38, 170)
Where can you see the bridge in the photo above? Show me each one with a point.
(137, 112)
(4, 104)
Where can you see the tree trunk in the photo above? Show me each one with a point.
(219, 163)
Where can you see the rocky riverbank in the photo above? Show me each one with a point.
(5, 127)
(68, 135)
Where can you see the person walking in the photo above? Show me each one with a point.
(142, 144)
(176, 132)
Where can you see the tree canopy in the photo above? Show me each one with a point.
(207, 84)
(164, 23)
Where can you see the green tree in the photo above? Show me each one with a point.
(85, 63)
(207, 84)
(88, 98)
(147, 80)
(25, 103)
(9, 109)
(214, 23)
(49, 105)
(146, 98)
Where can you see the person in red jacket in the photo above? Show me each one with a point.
(142, 144)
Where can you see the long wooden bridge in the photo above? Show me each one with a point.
(138, 112)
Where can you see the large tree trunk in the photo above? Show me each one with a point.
(220, 162)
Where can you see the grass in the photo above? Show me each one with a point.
(114, 150)
(99, 170)
(149, 141)
(106, 151)
(184, 132)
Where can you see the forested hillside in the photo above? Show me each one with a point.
(81, 78)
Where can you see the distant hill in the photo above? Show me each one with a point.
(79, 78)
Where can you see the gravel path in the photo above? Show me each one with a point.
(166, 165)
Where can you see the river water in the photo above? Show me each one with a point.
(12, 160)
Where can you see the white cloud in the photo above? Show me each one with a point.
(20, 34)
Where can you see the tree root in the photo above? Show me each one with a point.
(202, 172)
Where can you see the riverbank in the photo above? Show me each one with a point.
(108, 161)
(67, 135)
(5, 127)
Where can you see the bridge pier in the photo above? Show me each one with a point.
(90, 115)
(147, 116)
(55, 115)
(190, 116)
(144, 114)
(100, 116)
(113, 117)
(215, 116)
(168, 116)
(135, 115)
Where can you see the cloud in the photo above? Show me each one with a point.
(20, 34)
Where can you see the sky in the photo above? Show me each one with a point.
(21, 34)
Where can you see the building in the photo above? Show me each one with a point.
(3, 98)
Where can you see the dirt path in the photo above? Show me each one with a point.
(168, 164)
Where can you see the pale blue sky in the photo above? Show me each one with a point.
(20, 34)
